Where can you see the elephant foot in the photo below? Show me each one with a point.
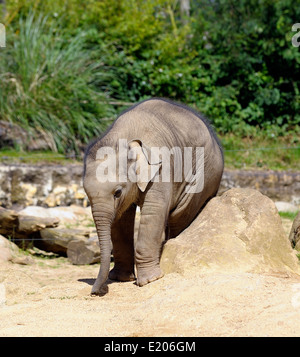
(148, 275)
(96, 291)
(120, 275)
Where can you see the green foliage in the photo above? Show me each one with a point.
(14, 156)
(259, 65)
(261, 151)
(48, 84)
(288, 215)
(231, 59)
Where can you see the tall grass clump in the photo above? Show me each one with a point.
(48, 83)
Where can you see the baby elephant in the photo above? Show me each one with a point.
(164, 158)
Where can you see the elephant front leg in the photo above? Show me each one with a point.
(123, 247)
(152, 234)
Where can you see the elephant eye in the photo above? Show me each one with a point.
(118, 193)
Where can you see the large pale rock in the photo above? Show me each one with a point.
(240, 231)
(295, 233)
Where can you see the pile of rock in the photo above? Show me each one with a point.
(67, 231)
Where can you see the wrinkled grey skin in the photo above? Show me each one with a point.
(166, 209)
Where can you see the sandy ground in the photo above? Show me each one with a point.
(51, 297)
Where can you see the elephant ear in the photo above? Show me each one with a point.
(145, 164)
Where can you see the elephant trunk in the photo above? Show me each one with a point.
(103, 226)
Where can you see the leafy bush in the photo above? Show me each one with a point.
(48, 84)
(259, 64)
(232, 60)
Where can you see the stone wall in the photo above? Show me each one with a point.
(277, 185)
(48, 186)
(58, 185)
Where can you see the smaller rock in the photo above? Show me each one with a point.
(56, 240)
(81, 252)
(68, 214)
(32, 224)
(5, 255)
(8, 250)
(23, 260)
(294, 236)
(41, 253)
(8, 220)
